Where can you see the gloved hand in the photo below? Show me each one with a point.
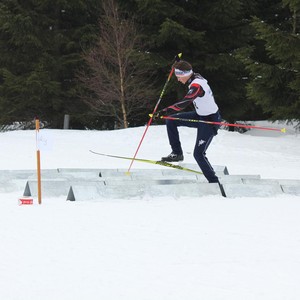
(157, 115)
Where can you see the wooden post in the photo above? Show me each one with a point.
(38, 157)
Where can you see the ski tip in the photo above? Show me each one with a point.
(150, 115)
(283, 130)
(179, 55)
(127, 173)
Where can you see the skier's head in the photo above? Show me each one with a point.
(183, 70)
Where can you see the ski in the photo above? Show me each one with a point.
(149, 161)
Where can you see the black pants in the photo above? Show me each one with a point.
(205, 134)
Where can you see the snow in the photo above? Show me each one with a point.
(210, 248)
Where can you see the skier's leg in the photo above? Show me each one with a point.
(172, 129)
(205, 134)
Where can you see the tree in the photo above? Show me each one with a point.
(207, 33)
(275, 66)
(40, 45)
(116, 81)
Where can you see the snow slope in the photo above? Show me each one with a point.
(164, 249)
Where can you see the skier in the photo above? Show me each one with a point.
(206, 109)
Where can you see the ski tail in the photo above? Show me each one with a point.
(149, 161)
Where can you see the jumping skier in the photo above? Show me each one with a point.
(200, 94)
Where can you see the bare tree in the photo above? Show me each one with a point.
(118, 85)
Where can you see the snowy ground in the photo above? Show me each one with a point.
(152, 249)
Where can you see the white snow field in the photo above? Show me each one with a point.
(210, 248)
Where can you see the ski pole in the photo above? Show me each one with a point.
(177, 58)
(223, 123)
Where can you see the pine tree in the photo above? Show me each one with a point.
(227, 29)
(274, 63)
(207, 33)
(40, 45)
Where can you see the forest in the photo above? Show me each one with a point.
(104, 63)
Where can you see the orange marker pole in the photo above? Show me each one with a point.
(38, 158)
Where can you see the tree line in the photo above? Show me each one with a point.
(104, 63)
